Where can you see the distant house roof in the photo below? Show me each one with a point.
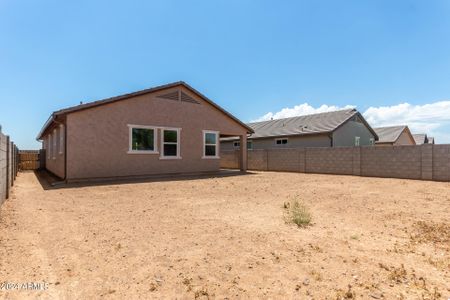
(389, 134)
(138, 93)
(305, 125)
(420, 138)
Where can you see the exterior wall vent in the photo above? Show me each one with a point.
(187, 98)
(170, 96)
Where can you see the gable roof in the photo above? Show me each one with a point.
(130, 95)
(420, 138)
(305, 125)
(389, 134)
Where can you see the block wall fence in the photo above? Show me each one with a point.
(8, 166)
(426, 162)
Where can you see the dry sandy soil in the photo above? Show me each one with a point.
(227, 237)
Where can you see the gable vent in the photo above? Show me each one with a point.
(170, 96)
(187, 98)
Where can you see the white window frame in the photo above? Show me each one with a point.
(281, 139)
(217, 133)
(372, 141)
(130, 139)
(61, 139)
(237, 144)
(54, 143)
(357, 141)
(178, 130)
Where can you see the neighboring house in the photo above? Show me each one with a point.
(163, 130)
(394, 136)
(422, 138)
(331, 129)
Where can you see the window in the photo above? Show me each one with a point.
(61, 139)
(281, 141)
(54, 144)
(372, 141)
(210, 144)
(357, 138)
(170, 143)
(237, 145)
(142, 139)
(49, 146)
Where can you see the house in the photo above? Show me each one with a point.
(422, 138)
(162, 130)
(394, 136)
(331, 129)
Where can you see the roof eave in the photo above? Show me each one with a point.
(46, 125)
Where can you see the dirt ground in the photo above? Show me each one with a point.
(227, 237)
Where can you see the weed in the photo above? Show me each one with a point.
(436, 233)
(296, 212)
(397, 275)
(354, 237)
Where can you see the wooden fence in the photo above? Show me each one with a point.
(9, 166)
(31, 159)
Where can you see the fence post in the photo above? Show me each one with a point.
(427, 161)
(7, 167)
(357, 161)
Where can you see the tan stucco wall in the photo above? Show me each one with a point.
(98, 138)
(55, 163)
(404, 139)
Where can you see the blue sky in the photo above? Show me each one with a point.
(390, 59)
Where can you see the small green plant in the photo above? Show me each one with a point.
(354, 237)
(297, 213)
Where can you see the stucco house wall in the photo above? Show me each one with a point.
(345, 135)
(53, 143)
(98, 137)
(321, 140)
(404, 139)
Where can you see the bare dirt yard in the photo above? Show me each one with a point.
(228, 237)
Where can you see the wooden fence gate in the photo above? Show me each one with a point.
(31, 159)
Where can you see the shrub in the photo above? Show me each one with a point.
(297, 213)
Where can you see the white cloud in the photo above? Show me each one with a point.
(300, 110)
(432, 118)
(427, 118)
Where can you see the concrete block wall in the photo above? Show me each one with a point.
(393, 162)
(283, 160)
(3, 168)
(8, 166)
(229, 159)
(441, 162)
(258, 160)
(329, 160)
(427, 162)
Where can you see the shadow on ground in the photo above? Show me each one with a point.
(49, 181)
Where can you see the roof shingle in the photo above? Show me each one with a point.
(389, 134)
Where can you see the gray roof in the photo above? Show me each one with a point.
(420, 138)
(127, 96)
(389, 134)
(304, 125)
